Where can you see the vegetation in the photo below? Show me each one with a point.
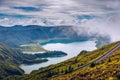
(92, 64)
(33, 47)
(51, 54)
(82, 52)
(67, 70)
(107, 69)
(10, 59)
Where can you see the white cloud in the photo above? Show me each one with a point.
(69, 7)
(64, 12)
(60, 9)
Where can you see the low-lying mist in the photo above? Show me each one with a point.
(107, 27)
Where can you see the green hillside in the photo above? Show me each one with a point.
(105, 70)
(10, 59)
(33, 47)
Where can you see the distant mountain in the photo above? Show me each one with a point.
(17, 35)
(74, 68)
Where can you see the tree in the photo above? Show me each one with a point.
(49, 74)
(118, 76)
(75, 61)
(70, 69)
(92, 64)
(109, 60)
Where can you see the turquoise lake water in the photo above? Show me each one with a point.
(72, 49)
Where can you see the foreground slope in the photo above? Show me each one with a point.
(10, 59)
(67, 70)
(107, 69)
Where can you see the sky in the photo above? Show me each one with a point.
(94, 16)
(54, 12)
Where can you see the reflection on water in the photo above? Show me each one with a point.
(72, 49)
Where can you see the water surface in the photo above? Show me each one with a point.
(72, 49)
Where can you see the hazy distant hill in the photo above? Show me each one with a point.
(16, 35)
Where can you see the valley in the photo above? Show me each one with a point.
(59, 40)
(33, 39)
(72, 50)
(49, 45)
(68, 70)
(17, 35)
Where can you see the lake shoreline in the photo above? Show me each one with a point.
(72, 49)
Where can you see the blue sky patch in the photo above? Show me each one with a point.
(85, 17)
(27, 8)
(14, 16)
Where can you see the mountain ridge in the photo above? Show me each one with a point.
(18, 35)
(10, 59)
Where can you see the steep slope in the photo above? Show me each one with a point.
(107, 69)
(10, 59)
(67, 69)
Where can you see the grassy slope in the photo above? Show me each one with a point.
(8, 64)
(10, 59)
(66, 68)
(108, 69)
(33, 47)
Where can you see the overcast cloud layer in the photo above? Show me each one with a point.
(101, 16)
(54, 12)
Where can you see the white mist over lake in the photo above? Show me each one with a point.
(72, 49)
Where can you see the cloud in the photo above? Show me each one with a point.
(91, 16)
(106, 27)
(69, 7)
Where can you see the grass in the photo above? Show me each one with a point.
(33, 47)
(10, 59)
(65, 70)
(107, 69)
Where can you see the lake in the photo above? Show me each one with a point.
(72, 49)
